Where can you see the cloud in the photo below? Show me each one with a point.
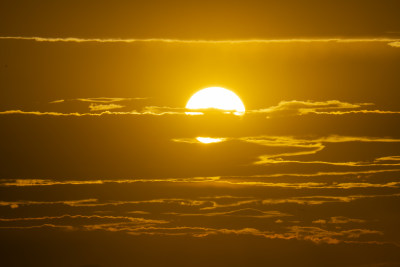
(376, 111)
(97, 203)
(284, 108)
(138, 212)
(338, 220)
(390, 41)
(313, 234)
(50, 182)
(253, 180)
(99, 103)
(236, 203)
(72, 114)
(274, 160)
(294, 107)
(311, 185)
(342, 219)
(247, 212)
(209, 203)
(332, 173)
(57, 101)
(394, 44)
(320, 221)
(389, 158)
(72, 203)
(308, 147)
(318, 235)
(98, 107)
(318, 200)
(46, 225)
(157, 111)
(297, 185)
(313, 146)
(329, 107)
(97, 217)
(106, 100)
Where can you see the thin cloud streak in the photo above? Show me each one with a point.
(99, 107)
(105, 100)
(312, 234)
(255, 183)
(364, 111)
(329, 107)
(284, 108)
(246, 212)
(77, 114)
(68, 216)
(338, 220)
(297, 107)
(211, 203)
(394, 42)
(214, 179)
(43, 182)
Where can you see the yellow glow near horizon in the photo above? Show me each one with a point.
(209, 140)
(216, 98)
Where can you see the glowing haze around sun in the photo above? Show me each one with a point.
(215, 98)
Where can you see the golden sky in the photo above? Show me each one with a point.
(101, 165)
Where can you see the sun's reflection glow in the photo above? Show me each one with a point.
(208, 140)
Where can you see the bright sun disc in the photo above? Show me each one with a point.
(209, 140)
(216, 98)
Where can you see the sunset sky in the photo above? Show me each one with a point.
(102, 166)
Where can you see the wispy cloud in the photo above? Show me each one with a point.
(94, 107)
(319, 200)
(103, 100)
(314, 145)
(98, 107)
(338, 220)
(99, 103)
(329, 107)
(246, 212)
(250, 181)
(364, 111)
(57, 101)
(96, 217)
(209, 203)
(313, 234)
(46, 225)
(394, 44)
(295, 107)
(72, 114)
(106, 100)
(391, 41)
(16, 204)
(284, 108)
(314, 185)
(49, 182)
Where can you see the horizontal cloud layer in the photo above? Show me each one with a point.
(391, 41)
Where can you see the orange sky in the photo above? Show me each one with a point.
(101, 166)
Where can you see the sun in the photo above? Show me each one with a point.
(209, 140)
(215, 98)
